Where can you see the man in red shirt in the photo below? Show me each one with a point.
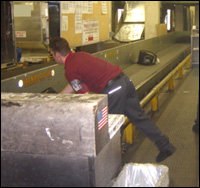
(86, 72)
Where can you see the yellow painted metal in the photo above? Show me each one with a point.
(111, 53)
(180, 72)
(49, 59)
(129, 133)
(154, 103)
(189, 64)
(126, 121)
(171, 84)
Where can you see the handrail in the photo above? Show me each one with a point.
(157, 88)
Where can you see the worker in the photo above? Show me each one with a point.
(195, 127)
(86, 72)
(19, 54)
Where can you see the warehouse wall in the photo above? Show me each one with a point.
(97, 13)
(152, 19)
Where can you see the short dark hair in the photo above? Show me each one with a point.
(60, 45)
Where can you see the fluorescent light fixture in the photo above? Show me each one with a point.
(20, 83)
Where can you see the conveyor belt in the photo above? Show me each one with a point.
(175, 119)
(14, 72)
(164, 55)
(145, 77)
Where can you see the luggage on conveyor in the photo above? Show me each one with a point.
(147, 58)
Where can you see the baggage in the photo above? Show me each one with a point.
(147, 58)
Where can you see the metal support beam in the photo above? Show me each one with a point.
(129, 133)
(154, 103)
(171, 84)
(180, 73)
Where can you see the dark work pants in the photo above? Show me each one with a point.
(123, 99)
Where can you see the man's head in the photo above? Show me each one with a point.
(59, 49)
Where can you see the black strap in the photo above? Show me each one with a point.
(114, 79)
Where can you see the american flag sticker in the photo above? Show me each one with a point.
(102, 117)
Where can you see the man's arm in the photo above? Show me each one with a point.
(67, 90)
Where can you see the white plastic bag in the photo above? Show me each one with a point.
(142, 175)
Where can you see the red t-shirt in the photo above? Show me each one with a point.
(86, 72)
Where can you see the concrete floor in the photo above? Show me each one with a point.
(176, 115)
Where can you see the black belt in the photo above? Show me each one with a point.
(114, 79)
